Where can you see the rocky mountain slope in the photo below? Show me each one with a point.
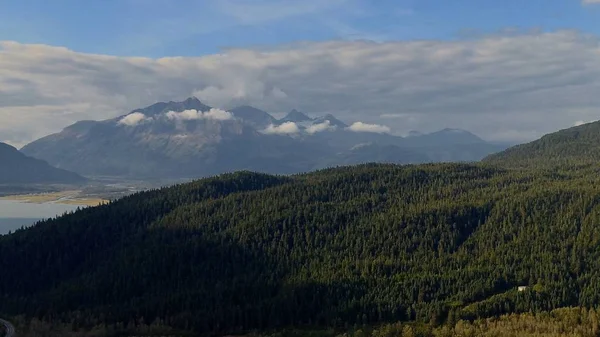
(190, 139)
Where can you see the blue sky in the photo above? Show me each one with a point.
(157, 28)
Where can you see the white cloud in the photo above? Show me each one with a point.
(134, 119)
(590, 2)
(188, 115)
(364, 127)
(579, 123)
(315, 128)
(517, 85)
(286, 128)
(218, 114)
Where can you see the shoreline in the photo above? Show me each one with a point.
(73, 198)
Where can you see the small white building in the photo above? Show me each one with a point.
(522, 288)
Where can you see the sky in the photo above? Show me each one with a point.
(507, 70)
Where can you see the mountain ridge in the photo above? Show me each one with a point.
(575, 145)
(17, 168)
(189, 139)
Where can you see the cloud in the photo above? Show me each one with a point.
(286, 128)
(315, 128)
(134, 119)
(579, 123)
(518, 85)
(217, 114)
(590, 2)
(238, 92)
(364, 127)
(189, 115)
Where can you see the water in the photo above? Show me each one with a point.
(14, 214)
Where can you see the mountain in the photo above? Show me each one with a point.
(414, 133)
(296, 117)
(16, 168)
(255, 117)
(576, 145)
(353, 246)
(329, 118)
(445, 136)
(188, 139)
(376, 153)
(174, 139)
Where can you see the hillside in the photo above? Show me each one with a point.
(576, 145)
(334, 248)
(16, 168)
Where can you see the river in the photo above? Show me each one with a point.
(15, 214)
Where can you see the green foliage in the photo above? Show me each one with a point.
(573, 147)
(340, 248)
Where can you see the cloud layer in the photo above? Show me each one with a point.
(188, 115)
(502, 87)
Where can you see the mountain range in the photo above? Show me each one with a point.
(190, 139)
(17, 168)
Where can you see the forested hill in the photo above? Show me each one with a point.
(356, 245)
(573, 146)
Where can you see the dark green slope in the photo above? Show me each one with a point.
(337, 247)
(576, 145)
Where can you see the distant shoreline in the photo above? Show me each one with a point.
(74, 197)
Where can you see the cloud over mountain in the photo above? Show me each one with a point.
(187, 115)
(133, 119)
(364, 127)
(516, 86)
(315, 128)
(286, 128)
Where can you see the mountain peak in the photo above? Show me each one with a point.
(192, 100)
(414, 133)
(253, 116)
(457, 135)
(296, 117)
(191, 103)
(455, 131)
(333, 121)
